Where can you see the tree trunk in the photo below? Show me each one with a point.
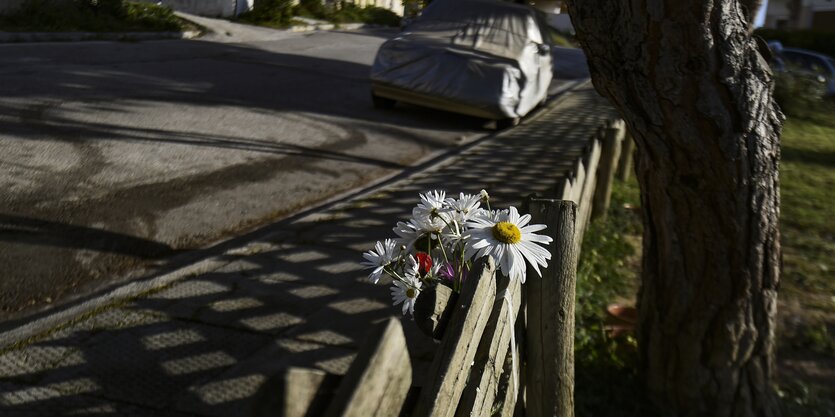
(696, 95)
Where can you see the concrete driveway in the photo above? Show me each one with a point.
(116, 156)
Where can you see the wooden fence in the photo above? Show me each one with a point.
(506, 351)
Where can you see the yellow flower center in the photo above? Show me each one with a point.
(507, 232)
(411, 293)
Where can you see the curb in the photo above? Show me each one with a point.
(22, 37)
(212, 257)
(329, 26)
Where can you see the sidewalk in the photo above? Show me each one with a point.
(216, 344)
(215, 30)
(28, 37)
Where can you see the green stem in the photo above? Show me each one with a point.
(443, 251)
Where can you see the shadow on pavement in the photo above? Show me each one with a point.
(214, 344)
(202, 74)
(51, 97)
(30, 231)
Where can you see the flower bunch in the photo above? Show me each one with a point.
(438, 244)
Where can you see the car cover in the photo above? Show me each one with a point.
(481, 53)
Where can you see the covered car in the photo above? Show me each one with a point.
(812, 64)
(485, 58)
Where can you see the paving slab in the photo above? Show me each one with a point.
(244, 388)
(53, 400)
(154, 363)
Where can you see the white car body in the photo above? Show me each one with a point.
(486, 58)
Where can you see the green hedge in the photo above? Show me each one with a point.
(798, 95)
(272, 13)
(280, 13)
(89, 16)
(823, 42)
(350, 13)
(380, 16)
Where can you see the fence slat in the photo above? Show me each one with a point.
(480, 393)
(578, 182)
(563, 189)
(379, 378)
(451, 366)
(625, 164)
(609, 157)
(506, 400)
(550, 306)
(590, 161)
(306, 392)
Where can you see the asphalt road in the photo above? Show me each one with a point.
(116, 156)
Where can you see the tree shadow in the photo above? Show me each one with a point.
(201, 74)
(90, 100)
(31, 231)
(808, 156)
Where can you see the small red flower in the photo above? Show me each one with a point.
(425, 262)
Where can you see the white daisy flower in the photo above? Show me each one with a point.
(412, 267)
(420, 226)
(465, 206)
(432, 208)
(383, 254)
(431, 202)
(454, 234)
(407, 290)
(510, 240)
(407, 233)
(433, 223)
(437, 264)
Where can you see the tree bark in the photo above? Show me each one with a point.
(687, 78)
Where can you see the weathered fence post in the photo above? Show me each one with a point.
(550, 304)
(450, 368)
(306, 392)
(585, 189)
(496, 344)
(625, 164)
(609, 157)
(379, 377)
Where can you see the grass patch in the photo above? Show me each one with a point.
(90, 16)
(807, 297)
(807, 174)
(606, 383)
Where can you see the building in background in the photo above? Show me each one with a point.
(800, 14)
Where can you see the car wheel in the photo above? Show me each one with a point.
(382, 102)
(502, 124)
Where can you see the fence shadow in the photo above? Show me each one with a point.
(208, 345)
